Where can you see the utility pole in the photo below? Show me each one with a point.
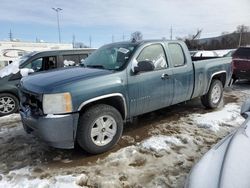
(10, 35)
(171, 33)
(113, 38)
(90, 41)
(240, 39)
(58, 23)
(73, 40)
(123, 37)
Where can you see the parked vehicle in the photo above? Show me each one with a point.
(119, 81)
(227, 164)
(241, 63)
(33, 62)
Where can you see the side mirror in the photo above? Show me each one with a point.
(144, 66)
(245, 109)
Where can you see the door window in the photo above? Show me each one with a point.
(43, 63)
(36, 65)
(155, 54)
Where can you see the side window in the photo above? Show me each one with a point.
(49, 63)
(176, 54)
(83, 57)
(36, 65)
(155, 54)
(71, 60)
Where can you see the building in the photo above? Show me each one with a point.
(12, 50)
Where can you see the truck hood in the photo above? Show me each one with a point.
(226, 165)
(46, 81)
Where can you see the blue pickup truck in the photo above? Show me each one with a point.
(88, 105)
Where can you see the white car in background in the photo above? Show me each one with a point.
(227, 164)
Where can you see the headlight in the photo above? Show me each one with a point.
(57, 103)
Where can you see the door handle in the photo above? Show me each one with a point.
(165, 76)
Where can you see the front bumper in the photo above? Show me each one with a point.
(56, 130)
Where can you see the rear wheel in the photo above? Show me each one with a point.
(214, 95)
(8, 104)
(99, 128)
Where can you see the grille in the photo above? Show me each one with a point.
(31, 101)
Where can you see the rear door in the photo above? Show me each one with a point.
(183, 77)
(150, 90)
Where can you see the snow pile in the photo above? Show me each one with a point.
(10, 118)
(160, 143)
(25, 71)
(12, 68)
(22, 178)
(229, 115)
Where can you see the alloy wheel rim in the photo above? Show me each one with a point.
(216, 94)
(7, 105)
(103, 130)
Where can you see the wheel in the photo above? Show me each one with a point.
(214, 95)
(8, 104)
(99, 128)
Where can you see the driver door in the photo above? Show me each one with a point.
(150, 90)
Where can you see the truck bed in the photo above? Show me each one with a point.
(205, 69)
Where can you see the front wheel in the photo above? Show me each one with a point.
(99, 128)
(214, 95)
(8, 104)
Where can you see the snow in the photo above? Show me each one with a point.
(205, 53)
(25, 71)
(12, 68)
(22, 179)
(229, 115)
(160, 143)
(68, 63)
(159, 154)
(221, 53)
(10, 117)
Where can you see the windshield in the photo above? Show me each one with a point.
(22, 59)
(111, 57)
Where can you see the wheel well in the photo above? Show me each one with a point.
(222, 77)
(12, 93)
(115, 101)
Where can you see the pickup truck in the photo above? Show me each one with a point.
(33, 62)
(241, 64)
(89, 105)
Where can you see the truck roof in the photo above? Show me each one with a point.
(136, 43)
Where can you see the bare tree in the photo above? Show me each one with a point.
(242, 29)
(197, 35)
(191, 40)
(136, 36)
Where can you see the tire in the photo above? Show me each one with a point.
(8, 104)
(92, 134)
(214, 95)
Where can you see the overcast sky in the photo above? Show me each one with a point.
(100, 19)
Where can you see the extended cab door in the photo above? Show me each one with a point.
(150, 90)
(183, 75)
